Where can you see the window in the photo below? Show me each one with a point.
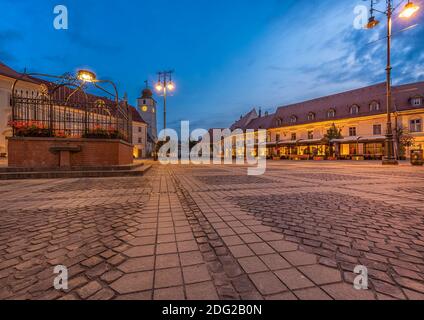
(354, 109)
(279, 122)
(417, 101)
(139, 140)
(331, 113)
(374, 106)
(352, 131)
(377, 129)
(293, 136)
(277, 137)
(293, 119)
(139, 129)
(310, 135)
(415, 125)
(311, 116)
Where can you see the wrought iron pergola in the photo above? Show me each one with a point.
(61, 107)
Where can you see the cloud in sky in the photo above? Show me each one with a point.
(228, 56)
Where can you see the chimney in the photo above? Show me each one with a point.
(266, 113)
(260, 112)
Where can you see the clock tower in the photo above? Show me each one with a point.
(147, 107)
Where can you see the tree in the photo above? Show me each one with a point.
(405, 140)
(332, 133)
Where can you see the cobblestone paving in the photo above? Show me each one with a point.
(206, 232)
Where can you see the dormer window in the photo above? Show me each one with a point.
(331, 113)
(374, 106)
(417, 101)
(311, 116)
(354, 109)
(279, 122)
(293, 119)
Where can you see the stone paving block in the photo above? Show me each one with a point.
(134, 282)
(198, 273)
(299, 258)
(275, 261)
(137, 264)
(344, 291)
(267, 283)
(312, 294)
(293, 279)
(321, 274)
(252, 264)
(165, 278)
(174, 293)
(201, 291)
(190, 258)
(241, 251)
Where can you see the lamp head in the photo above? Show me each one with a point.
(86, 76)
(171, 86)
(409, 10)
(159, 87)
(372, 23)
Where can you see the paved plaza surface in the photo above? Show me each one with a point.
(212, 232)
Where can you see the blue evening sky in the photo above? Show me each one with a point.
(228, 55)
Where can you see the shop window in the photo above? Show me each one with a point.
(415, 125)
(377, 129)
(352, 131)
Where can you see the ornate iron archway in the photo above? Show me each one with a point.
(62, 108)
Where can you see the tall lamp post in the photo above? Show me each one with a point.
(407, 12)
(163, 86)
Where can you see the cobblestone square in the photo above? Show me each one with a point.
(212, 232)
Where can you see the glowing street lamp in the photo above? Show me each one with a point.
(407, 12)
(164, 85)
(86, 76)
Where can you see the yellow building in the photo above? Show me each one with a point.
(299, 131)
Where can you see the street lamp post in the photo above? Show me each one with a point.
(163, 86)
(407, 12)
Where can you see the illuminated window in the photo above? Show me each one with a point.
(153, 110)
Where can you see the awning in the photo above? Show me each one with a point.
(311, 141)
(271, 144)
(288, 143)
(347, 140)
(372, 139)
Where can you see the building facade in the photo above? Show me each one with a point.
(301, 130)
(31, 87)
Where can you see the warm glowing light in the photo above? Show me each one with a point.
(409, 10)
(144, 108)
(86, 76)
(170, 86)
(159, 87)
(372, 23)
